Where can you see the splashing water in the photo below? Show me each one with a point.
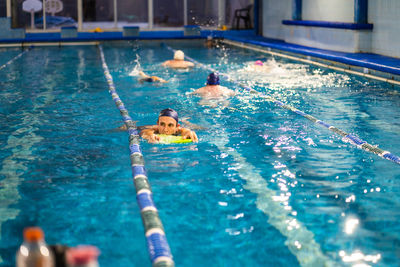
(289, 75)
(137, 68)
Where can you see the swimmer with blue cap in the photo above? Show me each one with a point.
(213, 89)
(178, 62)
(151, 79)
(167, 124)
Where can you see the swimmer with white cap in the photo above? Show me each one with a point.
(178, 62)
(213, 89)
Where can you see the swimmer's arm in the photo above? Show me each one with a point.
(197, 91)
(166, 63)
(149, 135)
(188, 134)
(161, 80)
(122, 128)
(142, 74)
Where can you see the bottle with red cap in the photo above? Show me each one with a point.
(82, 256)
(34, 251)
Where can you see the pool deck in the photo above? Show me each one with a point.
(365, 61)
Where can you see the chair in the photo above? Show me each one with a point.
(242, 14)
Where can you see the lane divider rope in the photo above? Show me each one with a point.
(352, 139)
(14, 58)
(157, 244)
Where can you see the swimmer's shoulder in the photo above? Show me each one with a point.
(189, 64)
(226, 90)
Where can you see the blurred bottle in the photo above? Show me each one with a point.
(34, 252)
(82, 256)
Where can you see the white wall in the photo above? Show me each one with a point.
(273, 14)
(328, 10)
(385, 38)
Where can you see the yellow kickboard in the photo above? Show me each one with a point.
(172, 139)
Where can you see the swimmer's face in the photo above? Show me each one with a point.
(167, 125)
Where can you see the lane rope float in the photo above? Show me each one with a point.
(157, 244)
(352, 139)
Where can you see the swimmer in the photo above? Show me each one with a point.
(258, 66)
(213, 89)
(178, 62)
(146, 78)
(167, 123)
(258, 63)
(209, 43)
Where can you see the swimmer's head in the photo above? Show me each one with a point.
(259, 63)
(213, 79)
(169, 112)
(179, 55)
(168, 121)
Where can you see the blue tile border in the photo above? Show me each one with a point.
(144, 35)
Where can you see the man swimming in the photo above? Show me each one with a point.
(178, 62)
(213, 89)
(146, 78)
(167, 123)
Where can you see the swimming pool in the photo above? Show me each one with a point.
(263, 187)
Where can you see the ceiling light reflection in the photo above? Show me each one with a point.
(358, 257)
(351, 225)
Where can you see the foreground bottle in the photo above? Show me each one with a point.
(34, 252)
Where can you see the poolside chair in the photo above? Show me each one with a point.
(242, 14)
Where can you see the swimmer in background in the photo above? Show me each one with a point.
(213, 89)
(258, 66)
(178, 62)
(167, 123)
(209, 43)
(146, 78)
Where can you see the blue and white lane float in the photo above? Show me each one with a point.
(157, 244)
(14, 58)
(352, 139)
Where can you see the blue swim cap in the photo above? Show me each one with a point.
(169, 112)
(213, 79)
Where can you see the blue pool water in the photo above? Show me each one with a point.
(263, 187)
